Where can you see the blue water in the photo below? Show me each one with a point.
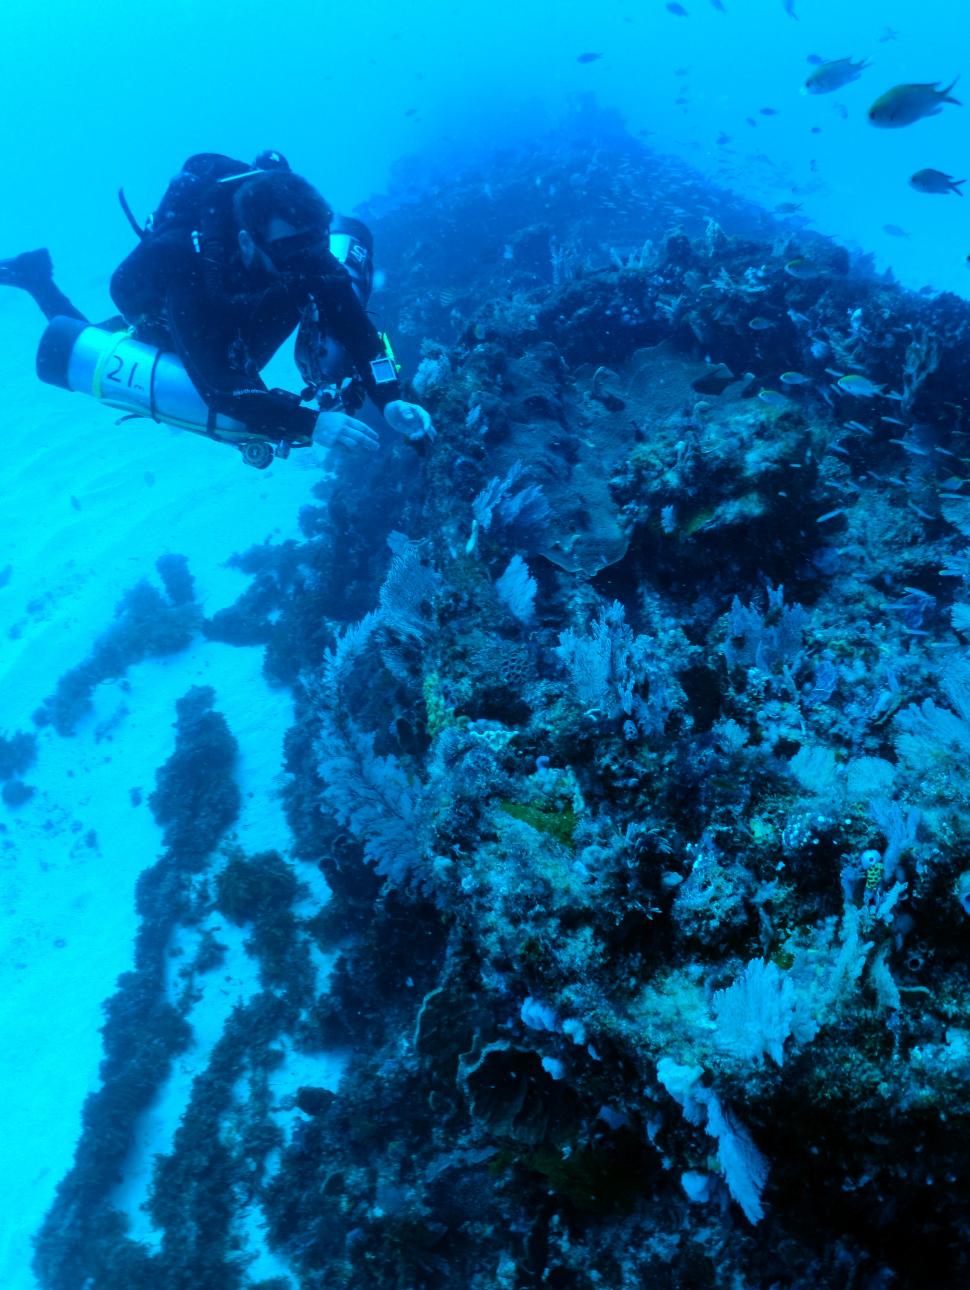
(639, 858)
(119, 96)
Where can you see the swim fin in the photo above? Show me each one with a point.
(29, 269)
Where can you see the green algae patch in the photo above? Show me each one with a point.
(559, 825)
(438, 713)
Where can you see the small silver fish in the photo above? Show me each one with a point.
(773, 398)
(828, 77)
(795, 378)
(760, 324)
(859, 387)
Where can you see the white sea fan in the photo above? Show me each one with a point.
(960, 617)
(517, 590)
(745, 1167)
(754, 1014)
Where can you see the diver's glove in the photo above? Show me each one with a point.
(410, 420)
(338, 430)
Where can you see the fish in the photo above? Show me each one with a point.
(801, 269)
(719, 6)
(859, 387)
(913, 449)
(789, 8)
(935, 181)
(888, 35)
(768, 111)
(722, 139)
(788, 208)
(678, 9)
(588, 58)
(906, 104)
(895, 231)
(831, 76)
(714, 381)
(815, 59)
(794, 378)
(760, 324)
(773, 398)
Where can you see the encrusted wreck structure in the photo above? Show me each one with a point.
(634, 722)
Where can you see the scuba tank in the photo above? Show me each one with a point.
(143, 381)
(323, 362)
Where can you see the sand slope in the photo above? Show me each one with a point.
(88, 507)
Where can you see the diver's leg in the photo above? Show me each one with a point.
(33, 272)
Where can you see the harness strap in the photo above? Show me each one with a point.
(152, 406)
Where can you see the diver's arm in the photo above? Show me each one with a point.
(203, 334)
(348, 322)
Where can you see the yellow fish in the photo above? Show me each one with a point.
(904, 104)
(802, 269)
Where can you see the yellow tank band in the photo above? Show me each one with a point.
(109, 351)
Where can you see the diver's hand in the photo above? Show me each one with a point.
(338, 430)
(410, 420)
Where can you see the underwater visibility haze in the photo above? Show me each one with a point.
(485, 745)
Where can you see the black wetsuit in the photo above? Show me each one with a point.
(225, 323)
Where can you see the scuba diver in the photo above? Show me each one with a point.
(234, 258)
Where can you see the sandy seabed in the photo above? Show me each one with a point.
(88, 507)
